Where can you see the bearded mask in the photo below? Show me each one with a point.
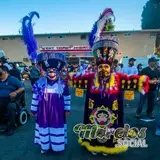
(104, 70)
(52, 74)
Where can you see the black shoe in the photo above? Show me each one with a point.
(138, 116)
(2, 127)
(9, 131)
(150, 116)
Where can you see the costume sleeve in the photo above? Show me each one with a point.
(34, 104)
(67, 99)
(134, 82)
(35, 100)
(82, 81)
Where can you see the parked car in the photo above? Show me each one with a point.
(21, 66)
(24, 69)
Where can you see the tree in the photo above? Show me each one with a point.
(151, 15)
(157, 45)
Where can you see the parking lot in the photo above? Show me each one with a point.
(20, 146)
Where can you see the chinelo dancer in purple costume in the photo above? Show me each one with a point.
(51, 97)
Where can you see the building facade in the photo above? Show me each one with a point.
(75, 45)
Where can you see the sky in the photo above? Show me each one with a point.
(63, 16)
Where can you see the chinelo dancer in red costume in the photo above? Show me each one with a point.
(104, 98)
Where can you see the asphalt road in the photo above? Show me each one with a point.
(20, 146)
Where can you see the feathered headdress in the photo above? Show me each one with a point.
(28, 35)
(100, 24)
(104, 47)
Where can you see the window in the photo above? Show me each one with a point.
(49, 37)
(152, 35)
(114, 35)
(83, 37)
(62, 36)
(4, 38)
(127, 34)
(11, 38)
(25, 60)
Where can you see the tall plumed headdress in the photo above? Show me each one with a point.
(104, 46)
(46, 60)
(28, 35)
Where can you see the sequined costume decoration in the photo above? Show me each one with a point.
(104, 98)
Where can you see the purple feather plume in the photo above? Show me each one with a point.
(28, 35)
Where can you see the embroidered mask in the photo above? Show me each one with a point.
(104, 70)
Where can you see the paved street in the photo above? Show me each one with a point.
(20, 146)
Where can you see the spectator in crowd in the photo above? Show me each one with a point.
(34, 73)
(131, 69)
(3, 62)
(89, 68)
(18, 67)
(158, 66)
(121, 66)
(154, 75)
(139, 67)
(15, 72)
(115, 66)
(10, 90)
(81, 68)
(70, 68)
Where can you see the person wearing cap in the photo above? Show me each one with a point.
(51, 97)
(104, 98)
(131, 69)
(3, 62)
(154, 75)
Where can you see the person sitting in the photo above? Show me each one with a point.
(10, 91)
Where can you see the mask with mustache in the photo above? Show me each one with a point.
(104, 70)
(52, 74)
